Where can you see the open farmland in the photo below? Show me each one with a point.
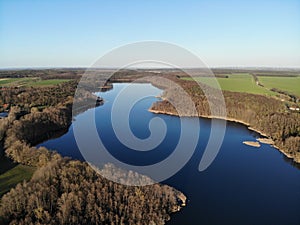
(289, 84)
(242, 82)
(32, 81)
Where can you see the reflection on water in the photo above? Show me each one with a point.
(291, 161)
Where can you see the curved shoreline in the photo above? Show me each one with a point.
(235, 121)
(252, 143)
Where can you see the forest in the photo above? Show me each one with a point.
(65, 191)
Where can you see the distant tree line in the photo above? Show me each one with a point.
(43, 73)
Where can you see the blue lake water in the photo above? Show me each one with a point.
(244, 185)
(3, 114)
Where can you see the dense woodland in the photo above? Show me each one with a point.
(70, 192)
(29, 97)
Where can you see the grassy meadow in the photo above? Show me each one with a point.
(289, 84)
(32, 81)
(13, 176)
(244, 82)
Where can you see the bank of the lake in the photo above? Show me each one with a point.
(264, 135)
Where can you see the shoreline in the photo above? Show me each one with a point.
(252, 143)
(288, 155)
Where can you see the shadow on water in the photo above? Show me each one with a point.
(290, 161)
(6, 164)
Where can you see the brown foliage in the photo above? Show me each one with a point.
(70, 192)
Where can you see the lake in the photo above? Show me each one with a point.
(244, 184)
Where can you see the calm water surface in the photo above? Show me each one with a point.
(244, 185)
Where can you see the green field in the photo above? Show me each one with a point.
(289, 84)
(7, 81)
(242, 82)
(13, 176)
(34, 81)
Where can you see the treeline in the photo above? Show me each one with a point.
(71, 192)
(267, 115)
(257, 80)
(291, 97)
(43, 73)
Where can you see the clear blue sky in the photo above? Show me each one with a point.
(222, 33)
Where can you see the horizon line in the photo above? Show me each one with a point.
(152, 68)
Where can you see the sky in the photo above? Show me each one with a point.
(73, 33)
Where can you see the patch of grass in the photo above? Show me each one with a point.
(242, 82)
(32, 81)
(289, 84)
(12, 177)
(48, 82)
(6, 81)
